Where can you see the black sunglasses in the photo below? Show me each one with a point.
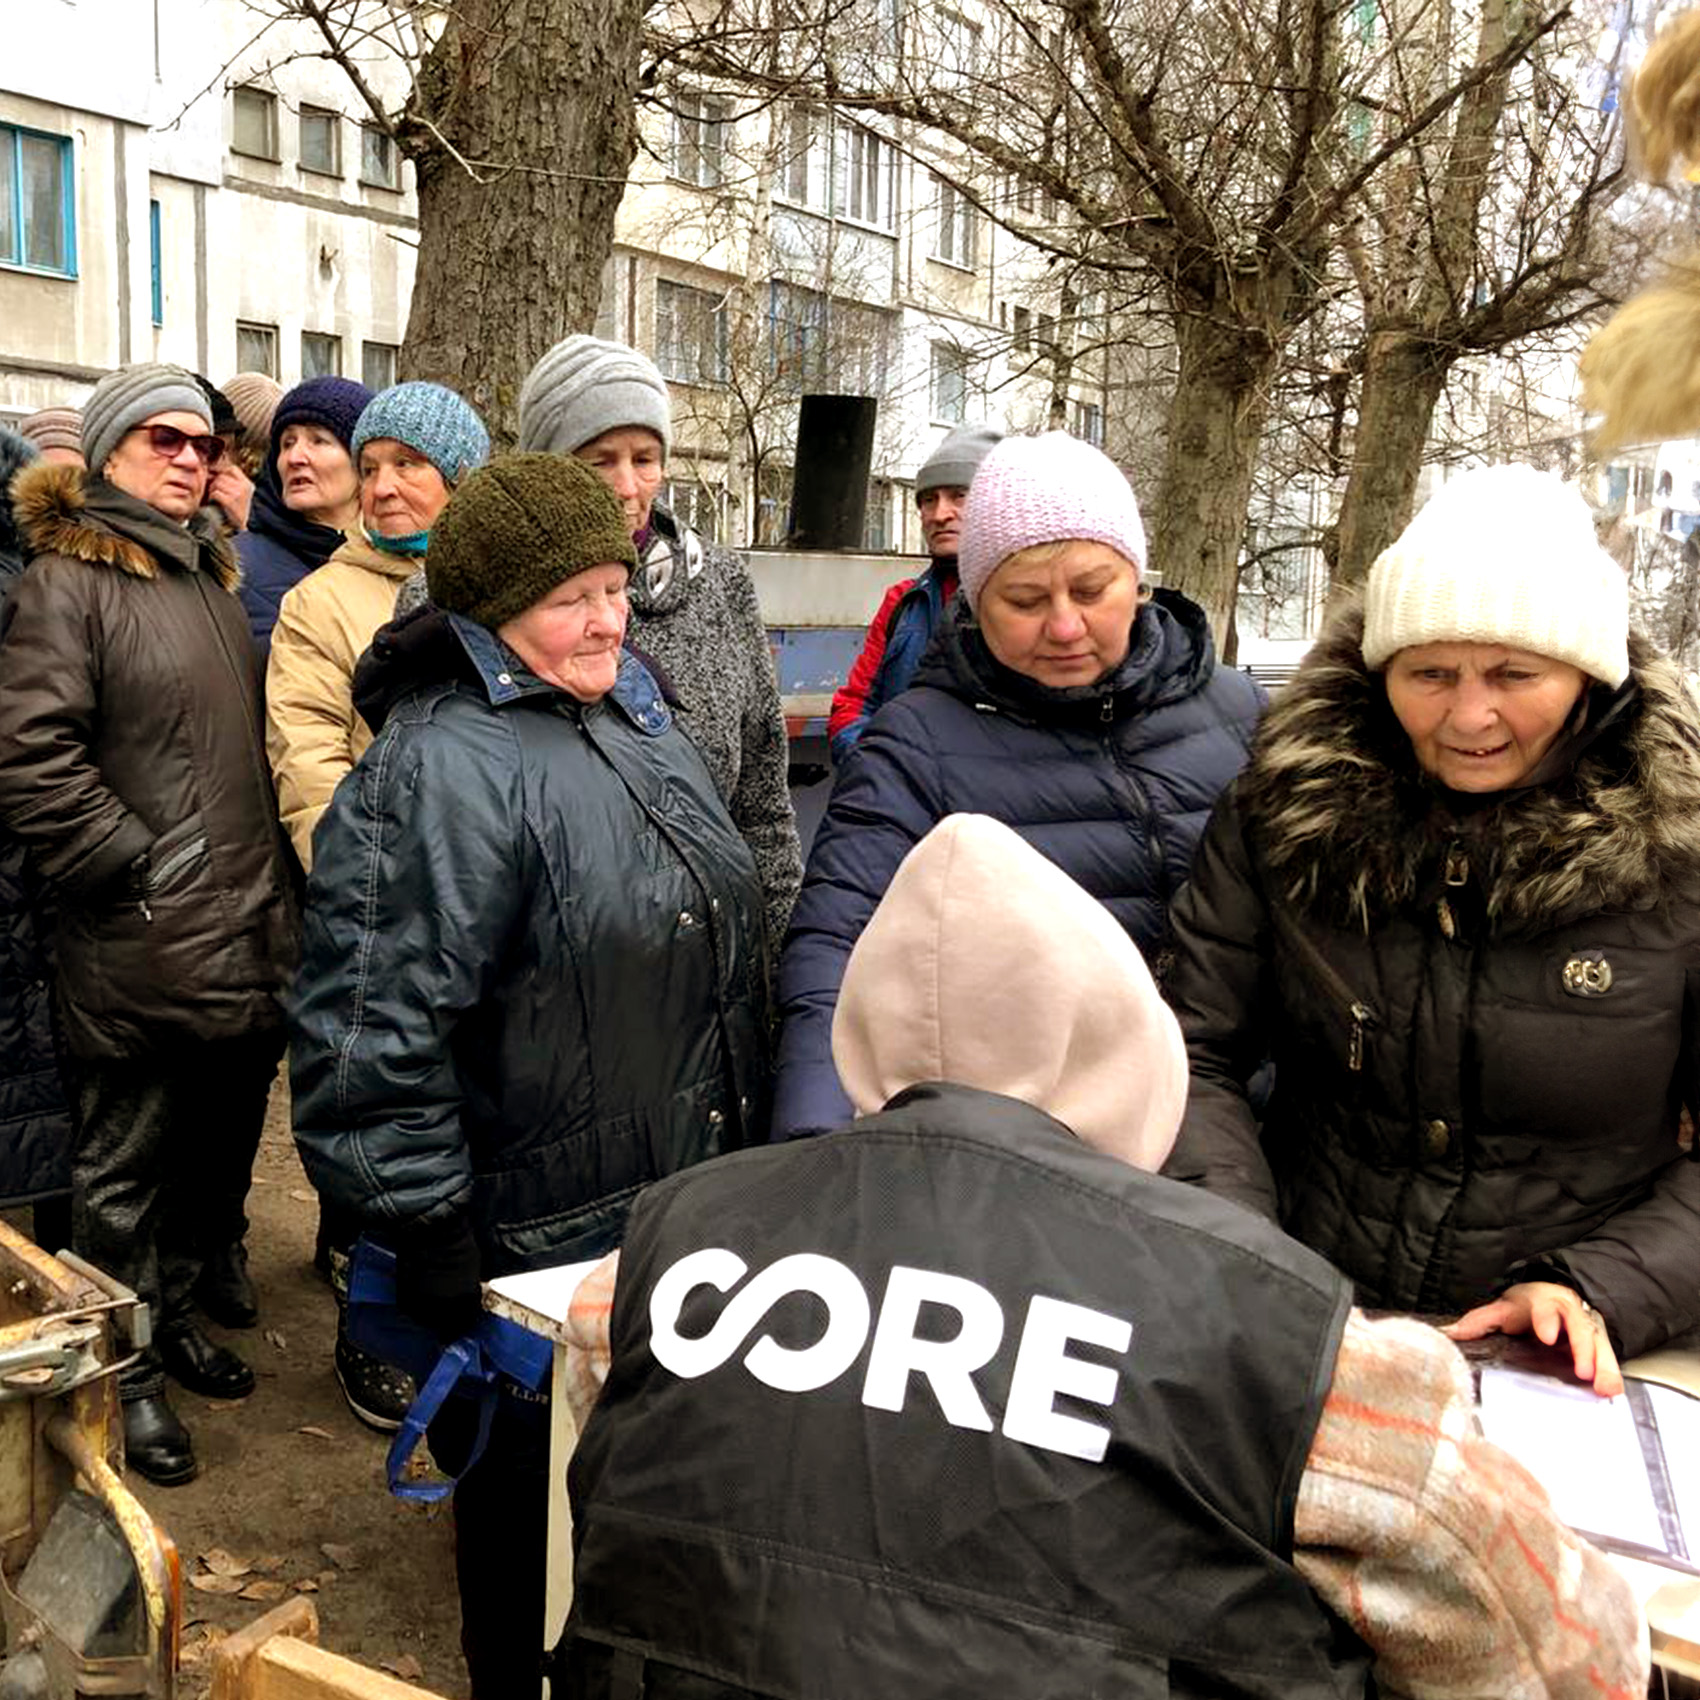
(168, 443)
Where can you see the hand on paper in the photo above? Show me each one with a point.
(1549, 1309)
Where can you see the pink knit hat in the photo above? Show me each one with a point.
(1047, 489)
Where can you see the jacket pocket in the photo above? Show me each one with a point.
(176, 856)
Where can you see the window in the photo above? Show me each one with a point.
(950, 384)
(1022, 338)
(773, 502)
(959, 60)
(694, 504)
(156, 283)
(37, 207)
(379, 166)
(690, 334)
(256, 348)
(377, 364)
(321, 141)
(321, 356)
(876, 530)
(1088, 423)
(865, 181)
(699, 128)
(799, 143)
(253, 128)
(954, 237)
(797, 332)
(1026, 196)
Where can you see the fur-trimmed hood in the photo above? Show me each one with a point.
(1351, 829)
(64, 510)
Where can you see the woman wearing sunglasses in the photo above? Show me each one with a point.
(132, 764)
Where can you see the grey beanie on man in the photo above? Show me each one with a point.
(124, 399)
(584, 387)
(952, 465)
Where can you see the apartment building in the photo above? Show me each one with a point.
(183, 186)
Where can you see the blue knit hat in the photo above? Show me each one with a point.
(431, 419)
(334, 403)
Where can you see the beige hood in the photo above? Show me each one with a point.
(986, 965)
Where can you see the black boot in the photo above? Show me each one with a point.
(378, 1394)
(203, 1367)
(156, 1444)
(224, 1290)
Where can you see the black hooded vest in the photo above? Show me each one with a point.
(948, 1405)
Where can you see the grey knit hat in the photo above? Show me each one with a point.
(54, 428)
(583, 387)
(954, 462)
(431, 419)
(122, 400)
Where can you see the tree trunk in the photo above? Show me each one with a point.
(1402, 380)
(522, 126)
(1196, 525)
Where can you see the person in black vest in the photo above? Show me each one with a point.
(965, 1400)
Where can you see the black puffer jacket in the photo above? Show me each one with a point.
(35, 1129)
(130, 726)
(533, 971)
(1113, 782)
(1485, 1021)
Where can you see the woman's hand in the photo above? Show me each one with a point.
(1549, 1309)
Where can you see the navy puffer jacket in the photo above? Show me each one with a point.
(532, 977)
(1113, 781)
(35, 1127)
(278, 550)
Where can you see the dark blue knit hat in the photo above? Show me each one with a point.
(334, 403)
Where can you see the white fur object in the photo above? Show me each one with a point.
(1503, 555)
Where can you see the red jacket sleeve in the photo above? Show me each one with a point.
(850, 700)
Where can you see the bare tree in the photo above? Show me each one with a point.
(520, 119)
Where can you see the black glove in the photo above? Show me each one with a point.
(436, 1278)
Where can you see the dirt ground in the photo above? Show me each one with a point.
(292, 1486)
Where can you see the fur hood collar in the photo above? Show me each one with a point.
(1351, 830)
(62, 510)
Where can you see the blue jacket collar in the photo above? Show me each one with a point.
(504, 678)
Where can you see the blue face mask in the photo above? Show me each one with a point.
(414, 543)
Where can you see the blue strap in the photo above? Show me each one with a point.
(462, 1360)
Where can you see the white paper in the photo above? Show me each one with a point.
(1584, 1450)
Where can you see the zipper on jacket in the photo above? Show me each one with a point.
(1363, 1015)
(1107, 710)
(179, 858)
(1457, 875)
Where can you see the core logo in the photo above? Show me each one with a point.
(1043, 1368)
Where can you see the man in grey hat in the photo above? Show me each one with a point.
(910, 611)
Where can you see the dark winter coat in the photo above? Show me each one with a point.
(133, 765)
(1113, 782)
(278, 550)
(533, 976)
(897, 639)
(1484, 1015)
(35, 1126)
(780, 1528)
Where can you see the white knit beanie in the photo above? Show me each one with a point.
(1048, 489)
(1506, 555)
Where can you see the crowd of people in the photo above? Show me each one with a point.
(463, 779)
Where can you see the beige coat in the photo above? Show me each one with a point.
(313, 734)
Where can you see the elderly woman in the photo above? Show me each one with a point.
(132, 765)
(1456, 897)
(693, 605)
(1059, 698)
(532, 979)
(412, 446)
(307, 497)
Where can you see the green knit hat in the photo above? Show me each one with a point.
(517, 528)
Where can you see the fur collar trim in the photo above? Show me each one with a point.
(50, 501)
(1351, 830)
